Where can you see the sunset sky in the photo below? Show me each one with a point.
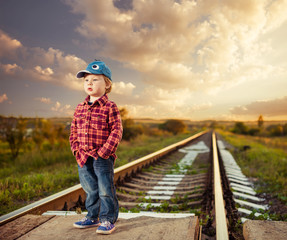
(197, 60)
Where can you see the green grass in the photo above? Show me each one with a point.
(19, 190)
(265, 162)
(36, 174)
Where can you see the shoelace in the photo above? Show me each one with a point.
(106, 224)
(84, 219)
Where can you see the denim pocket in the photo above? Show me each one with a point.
(104, 165)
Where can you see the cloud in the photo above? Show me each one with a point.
(3, 98)
(276, 14)
(162, 103)
(63, 110)
(44, 74)
(44, 100)
(163, 111)
(186, 44)
(38, 64)
(179, 48)
(10, 69)
(9, 46)
(274, 107)
(122, 88)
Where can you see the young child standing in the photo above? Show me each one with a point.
(96, 131)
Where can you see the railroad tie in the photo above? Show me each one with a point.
(164, 189)
(242, 188)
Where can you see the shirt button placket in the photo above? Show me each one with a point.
(87, 128)
(86, 135)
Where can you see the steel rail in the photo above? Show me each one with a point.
(220, 214)
(57, 201)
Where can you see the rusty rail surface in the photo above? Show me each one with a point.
(57, 201)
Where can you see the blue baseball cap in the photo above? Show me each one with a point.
(96, 67)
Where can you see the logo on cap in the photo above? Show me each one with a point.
(96, 67)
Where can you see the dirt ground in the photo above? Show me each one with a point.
(276, 206)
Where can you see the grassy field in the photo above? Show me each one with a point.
(36, 174)
(265, 161)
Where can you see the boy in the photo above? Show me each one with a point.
(96, 131)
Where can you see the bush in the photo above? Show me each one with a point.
(132, 131)
(174, 126)
(155, 132)
(240, 128)
(276, 130)
(14, 132)
(253, 131)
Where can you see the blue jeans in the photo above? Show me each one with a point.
(97, 180)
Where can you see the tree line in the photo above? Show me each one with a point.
(25, 133)
(43, 135)
(273, 130)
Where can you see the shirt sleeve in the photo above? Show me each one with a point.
(116, 131)
(73, 136)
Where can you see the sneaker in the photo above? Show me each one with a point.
(106, 228)
(86, 223)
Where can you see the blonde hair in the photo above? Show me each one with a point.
(108, 82)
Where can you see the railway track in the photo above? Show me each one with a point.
(189, 176)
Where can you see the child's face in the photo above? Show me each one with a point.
(95, 85)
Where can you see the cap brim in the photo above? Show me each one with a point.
(82, 73)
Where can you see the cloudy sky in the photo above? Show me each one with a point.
(204, 59)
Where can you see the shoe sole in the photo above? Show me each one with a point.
(106, 232)
(88, 226)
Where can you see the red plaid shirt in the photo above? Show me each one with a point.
(96, 130)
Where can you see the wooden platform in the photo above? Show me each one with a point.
(264, 230)
(128, 226)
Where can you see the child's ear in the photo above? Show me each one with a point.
(108, 85)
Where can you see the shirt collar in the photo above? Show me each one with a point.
(102, 100)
